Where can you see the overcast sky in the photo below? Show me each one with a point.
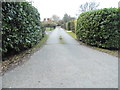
(59, 7)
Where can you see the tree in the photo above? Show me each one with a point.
(88, 6)
(67, 18)
(55, 18)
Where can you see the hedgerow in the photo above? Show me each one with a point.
(99, 28)
(71, 25)
(21, 27)
(68, 26)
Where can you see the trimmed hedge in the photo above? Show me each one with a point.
(68, 26)
(75, 23)
(99, 28)
(21, 27)
(71, 25)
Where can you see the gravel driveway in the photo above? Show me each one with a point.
(64, 63)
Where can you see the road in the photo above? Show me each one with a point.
(63, 63)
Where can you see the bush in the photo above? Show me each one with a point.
(21, 27)
(75, 27)
(71, 25)
(68, 26)
(99, 28)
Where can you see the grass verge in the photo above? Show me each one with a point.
(72, 34)
(18, 59)
(49, 29)
(111, 52)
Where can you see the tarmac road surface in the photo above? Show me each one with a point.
(63, 63)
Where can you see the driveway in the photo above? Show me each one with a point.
(63, 63)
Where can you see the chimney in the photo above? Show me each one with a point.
(44, 19)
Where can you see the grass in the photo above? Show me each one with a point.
(111, 52)
(72, 34)
(48, 29)
(18, 59)
(41, 42)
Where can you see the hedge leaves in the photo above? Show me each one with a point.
(100, 28)
(21, 27)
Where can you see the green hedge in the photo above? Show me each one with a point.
(71, 26)
(68, 26)
(21, 27)
(99, 28)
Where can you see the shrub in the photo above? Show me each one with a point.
(21, 27)
(71, 25)
(68, 26)
(99, 28)
(75, 23)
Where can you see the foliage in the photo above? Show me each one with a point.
(66, 18)
(50, 24)
(75, 23)
(72, 34)
(99, 28)
(49, 29)
(71, 25)
(21, 27)
(68, 26)
(55, 18)
(65, 21)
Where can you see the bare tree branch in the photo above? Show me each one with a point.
(89, 6)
